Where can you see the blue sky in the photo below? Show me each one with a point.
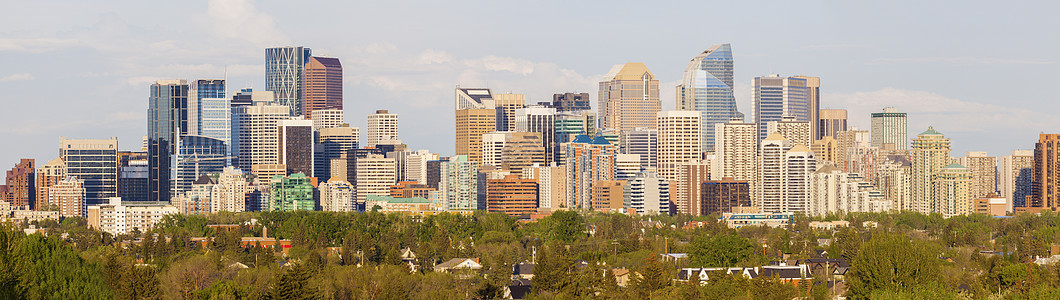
(980, 72)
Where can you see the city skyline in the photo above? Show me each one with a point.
(114, 56)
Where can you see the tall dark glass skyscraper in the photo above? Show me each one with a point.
(196, 155)
(167, 121)
(707, 88)
(285, 75)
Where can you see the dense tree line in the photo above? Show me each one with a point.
(900, 255)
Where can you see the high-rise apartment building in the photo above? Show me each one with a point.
(893, 179)
(570, 102)
(293, 192)
(1045, 184)
(783, 175)
(735, 150)
(375, 175)
(829, 122)
(679, 141)
(889, 130)
(256, 132)
(825, 150)
(21, 185)
(522, 150)
(323, 85)
(47, 176)
(983, 169)
(588, 160)
(551, 185)
(506, 104)
(327, 118)
(230, 192)
(167, 121)
(382, 127)
(337, 195)
(627, 166)
(295, 139)
(541, 120)
(845, 140)
(96, 163)
(864, 161)
(931, 152)
(643, 142)
(647, 194)
(723, 196)
(691, 176)
(1014, 177)
(458, 187)
(834, 191)
(776, 97)
(707, 87)
(285, 76)
(799, 133)
(331, 144)
(512, 196)
(571, 124)
(813, 102)
(629, 98)
(492, 144)
(951, 187)
(68, 197)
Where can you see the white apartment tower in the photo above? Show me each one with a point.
(889, 130)
(797, 132)
(983, 169)
(1014, 176)
(255, 130)
(679, 141)
(230, 192)
(382, 128)
(375, 175)
(783, 175)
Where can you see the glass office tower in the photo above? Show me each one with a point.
(285, 75)
(707, 87)
(167, 120)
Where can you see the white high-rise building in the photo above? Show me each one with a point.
(648, 193)
(679, 141)
(893, 179)
(337, 195)
(797, 132)
(889, 130)
(643, 142)
(492, 145)
(783, 175)
(551, 185)
(1014, 176)
(382, 128)
(416, 165)
(255, 128)
(835, 191)
(375, 175)
(735, 152)
(230, 192)
(327, 118)
(627, 166)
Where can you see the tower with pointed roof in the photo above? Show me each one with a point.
(930, 153)
(707, 87)
(629, 98)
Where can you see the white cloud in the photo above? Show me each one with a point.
(931, 109)
(431, 56)
(507, 64)
(18, 77)
(963, 61)
(240, 20)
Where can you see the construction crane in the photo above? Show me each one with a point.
(194, 158)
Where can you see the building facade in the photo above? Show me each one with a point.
(382, 128)
(679, 141)
(323, 85)
(512, 196)
(889, 129)
(285, 76)
(629, 98)
(707, 87)
(96, 163)
(776, 97)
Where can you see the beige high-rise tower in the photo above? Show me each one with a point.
(475, 115)
(382, 127)
(983, 170)
(506, 104)
(679, 141)
(813, 103)
(931, 152)
(629, 98)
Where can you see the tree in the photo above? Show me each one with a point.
(721, 251)
(565, 225)
(653, 277)
(893, 263)
(294, 284)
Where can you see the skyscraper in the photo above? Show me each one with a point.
(96, 163)
(1014, 177)
(893, 179)
(375, 175)
(829, 122)
(68, 197)
(722, 196)
(643, 142)
(1045, 184)
(323, 84)
(195, 155)
(506, 105)
(570, 102)
(799, 133)
(691, 176)
(293, 192)
(647, 194)
(471, 124)
(889, 130)
(952, 191)
(458, 184)
(255, 130)
(735, 151)
(285, 76)
(707, 87)
(295, 139)
(20, 183)
(813, 101)
(776, 97)
(679, 141)
(167, 121)
(522, 150)
(382, 127)
(210, 111)
(327, 118)
(46, 176)
(629, 98)
(931, 152)
(542, 120)
(331, 144)
(983, 171)
(512, 196)
(587, 161)
(571, 124)
(783, 175)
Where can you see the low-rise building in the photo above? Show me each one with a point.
(737, 220)
(117, 217)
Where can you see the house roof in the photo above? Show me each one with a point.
(453, 263)
(782, 272)
(620, 272)
(523, 269)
